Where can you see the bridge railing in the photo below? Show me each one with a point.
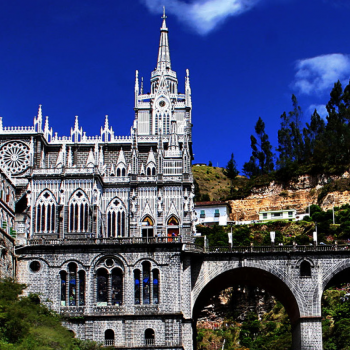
(285, 248)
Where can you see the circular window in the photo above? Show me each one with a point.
(109, 262)
(162, 103)
(14, 157)
(34, 266)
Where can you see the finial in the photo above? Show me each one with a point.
(106, 122)
(76, 123)
(164, 17)
(141, 85)
(187, 73)
(40, 115)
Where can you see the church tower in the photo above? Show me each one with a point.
(164, 105)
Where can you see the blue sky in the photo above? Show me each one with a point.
(246, 58)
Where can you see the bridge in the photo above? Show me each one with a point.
(164, 283)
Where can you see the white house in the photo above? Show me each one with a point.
(283, 214)
(210, 213)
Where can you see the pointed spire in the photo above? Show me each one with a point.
(112, 172)
(91, 159)
(76, 123)
(121, 157)
(69, 158)
(38, 121)
(47, 131)
(174, 144)
(151, 158)
(136, 87)
(188, 89)
(164, 53)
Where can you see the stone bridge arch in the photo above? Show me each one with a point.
(210, 277)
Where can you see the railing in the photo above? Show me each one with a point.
(92, 240)
(276, 249)
(149, 342)
(109, 342)
(186, 246)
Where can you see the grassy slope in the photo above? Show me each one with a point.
(213, 182)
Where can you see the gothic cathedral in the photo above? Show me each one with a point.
(100, 221)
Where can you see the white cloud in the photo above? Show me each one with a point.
(321, 110)
(202, 15)
(318, 74)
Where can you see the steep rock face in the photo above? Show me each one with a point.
(235, 302)
(294, 195)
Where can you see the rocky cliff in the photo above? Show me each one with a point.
(323, 190)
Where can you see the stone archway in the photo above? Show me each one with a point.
(254, 277)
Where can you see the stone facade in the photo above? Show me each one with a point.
(100, 219)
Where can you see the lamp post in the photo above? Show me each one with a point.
(230, 235)
(315, 235)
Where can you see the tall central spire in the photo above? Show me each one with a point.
(164, 53)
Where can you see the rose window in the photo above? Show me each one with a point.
(14, 157)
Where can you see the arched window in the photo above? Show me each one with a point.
(137, 287)
(102, 287)
(149, 336)
(72, 286)
(109, 337)
(305, 269)
(72, 289)
(81, 288)
(146, 285)
(121, 171)
(146, 267)
(79, 212)
(63, 275)
(173, 229)
(151, 169)
(155, 282)
(46, 213)
(117, 287)
(116, 219)
(147, 227)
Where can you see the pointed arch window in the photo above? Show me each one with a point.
(46, 213)
(147, 227)
(121, 169)
(173, 229)
(79, 212)
(151, 169)
(116, 219)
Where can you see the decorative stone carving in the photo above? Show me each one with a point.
(14, 157)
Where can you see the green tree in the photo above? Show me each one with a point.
(261, 160)
(290, 137)
(26, 324)
(231, 168)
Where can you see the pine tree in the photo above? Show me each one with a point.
(231, 168)
(261, 160)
